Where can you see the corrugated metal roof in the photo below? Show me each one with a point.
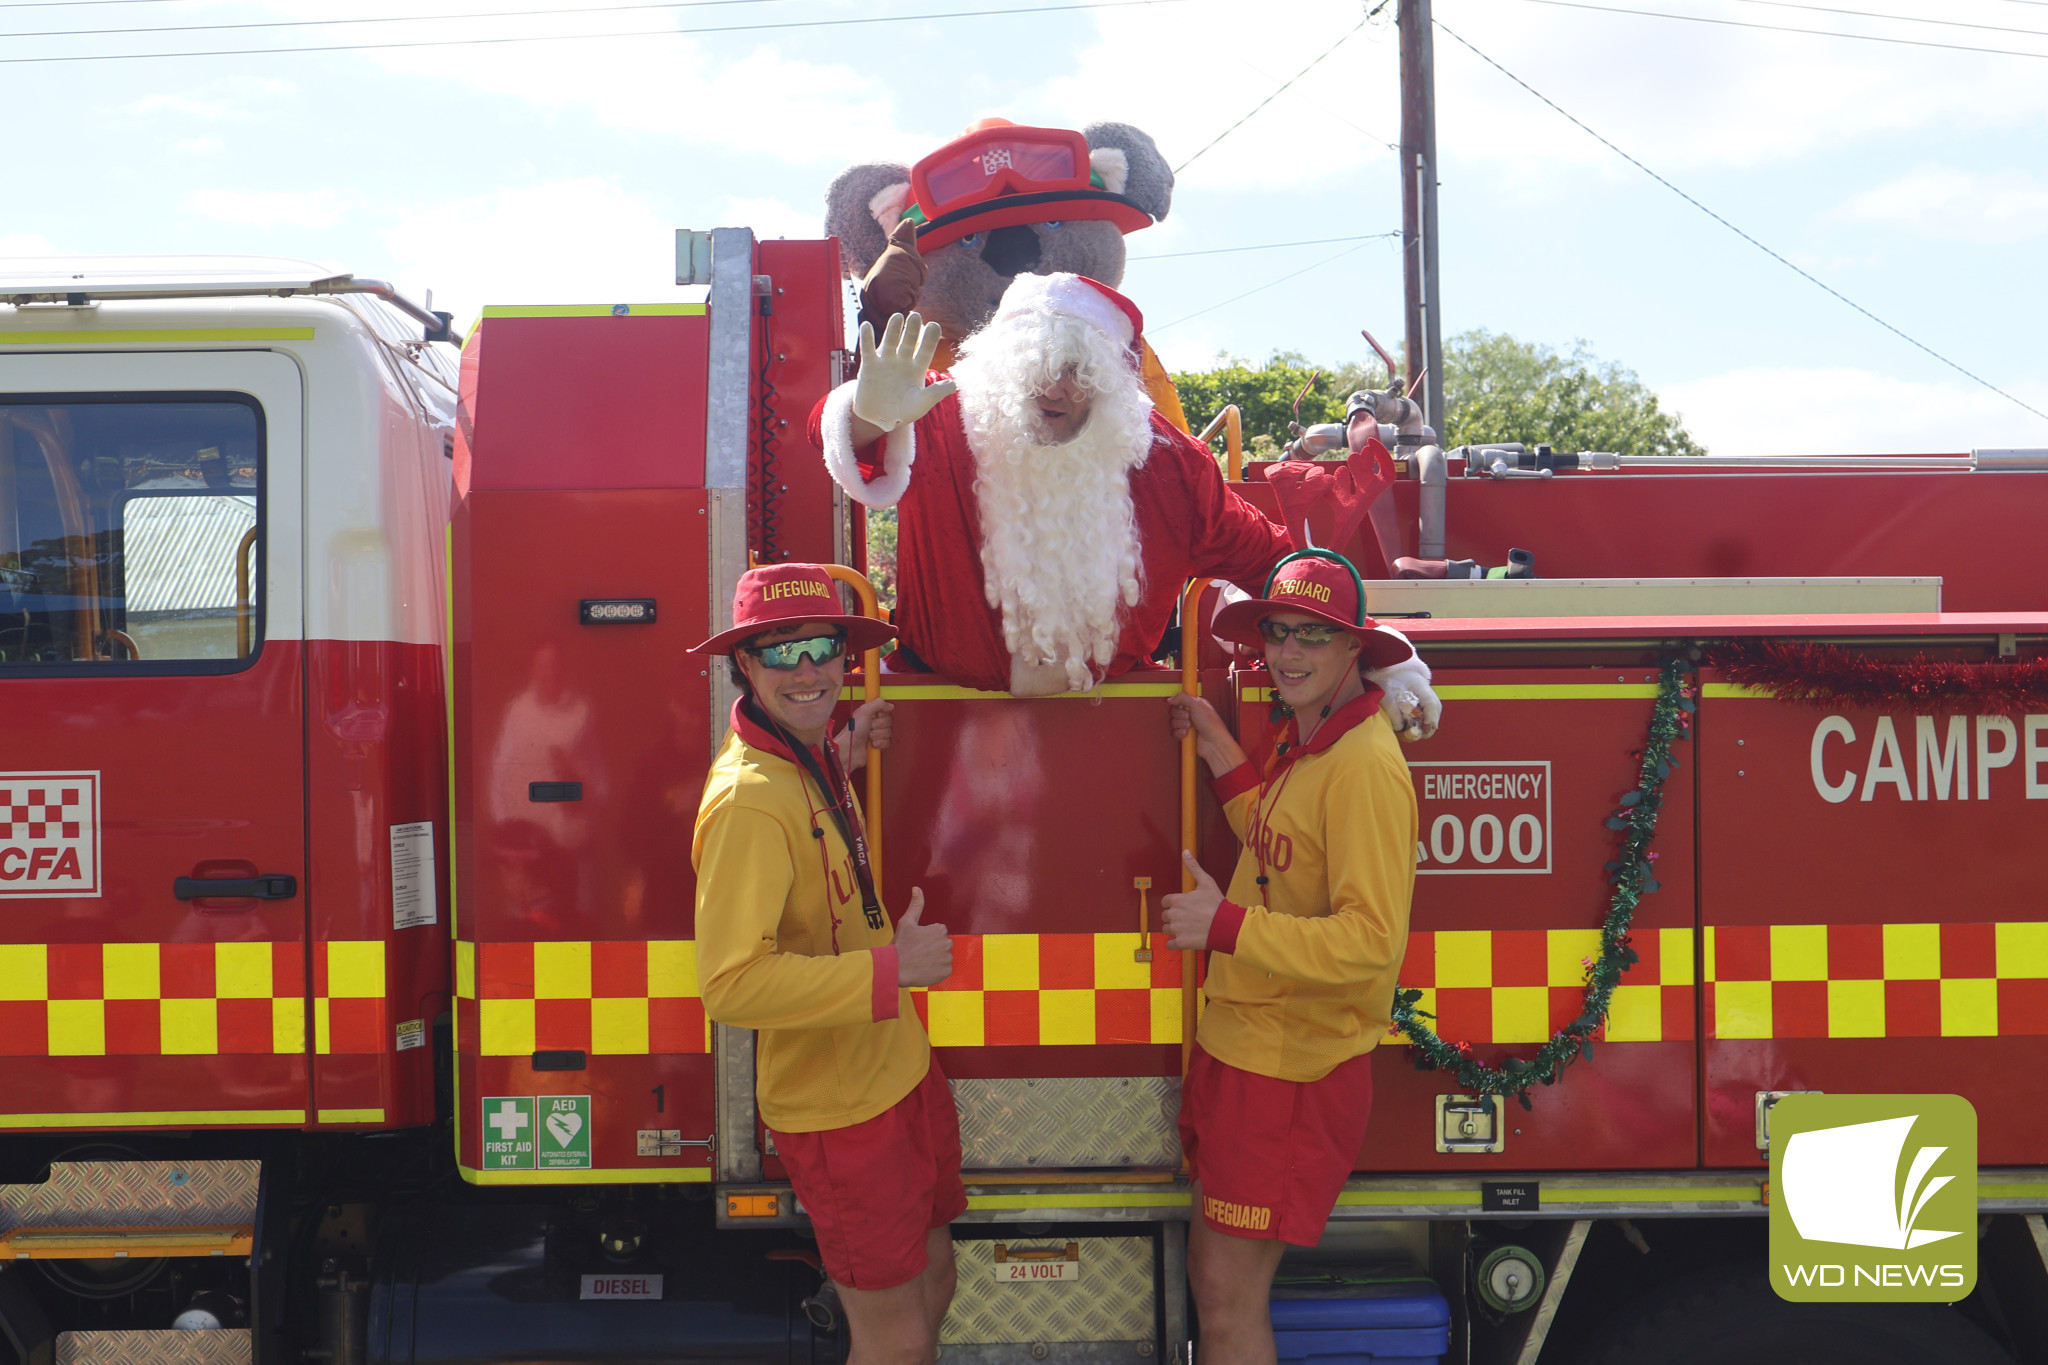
(179, 552)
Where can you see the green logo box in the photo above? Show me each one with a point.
(1873, 1198)
(564, 1135)
(508, 1132)
(536, 1132)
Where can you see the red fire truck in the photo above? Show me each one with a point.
(348, 1005)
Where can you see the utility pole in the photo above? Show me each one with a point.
(1418, 208)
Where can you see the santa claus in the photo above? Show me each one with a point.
(1049, 517)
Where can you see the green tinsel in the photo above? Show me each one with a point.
(1632, 875)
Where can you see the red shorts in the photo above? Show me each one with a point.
(875, 1189)
(1272, 1155)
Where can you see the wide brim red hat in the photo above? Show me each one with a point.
(790, 594)
(1319, 584)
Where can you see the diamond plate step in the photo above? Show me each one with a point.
(215, 1346)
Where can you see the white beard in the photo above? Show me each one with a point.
(1059, 545)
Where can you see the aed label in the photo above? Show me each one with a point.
(564, 1132)
(49, 834)
(1482, 818)
(621, 1287)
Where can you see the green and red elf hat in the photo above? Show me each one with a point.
(1321, 584)
(999, 174)
(785, 594)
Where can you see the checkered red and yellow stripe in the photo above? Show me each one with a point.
(1877, 980)
(1048, 990)
(603, 998)
(188, 999)
(1522, 985)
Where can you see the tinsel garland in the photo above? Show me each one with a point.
(1633, 876)
(1808, 673)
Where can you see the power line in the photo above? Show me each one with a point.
(1263, 246)
(1805, 275)
(1276, 94)
(389, 19)
(575, 37)
(1896, 18)
(1154, 331)
(1781, 28)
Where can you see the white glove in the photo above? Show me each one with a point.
(1411, 704)
(891, 389)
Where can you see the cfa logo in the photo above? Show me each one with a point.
(49, 834)
(1873, 1198)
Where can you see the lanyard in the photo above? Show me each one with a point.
(839, 792)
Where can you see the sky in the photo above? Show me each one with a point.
(499, 155)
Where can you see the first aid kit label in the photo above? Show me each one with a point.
(508, 1133)
(1482, 818)
(49, 834)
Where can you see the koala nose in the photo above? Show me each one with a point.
(1011, 250)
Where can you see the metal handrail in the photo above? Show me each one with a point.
(83, 292)
(1232, 425)
(244, 617)
(871, 686)
(1191, 682)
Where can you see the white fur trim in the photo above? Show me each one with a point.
(1411, 705)
(1067, 294)
(888, 205)
(899, 452)
(1112, 165)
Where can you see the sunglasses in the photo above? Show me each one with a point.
(785, 655)
(1311, 634)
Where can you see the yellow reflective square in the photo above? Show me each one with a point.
(1799, 952)
(288, 1025)
(1969, 1008)
(1855, 1009)
(956, 1019)
(1742, 1009)
(78, 1028)
(561, 971)
(1009, 962)
(1567, 948)
(1521, 1014)
(504, 1028)
(189, 1027)
(1636, 1015)
(1066, 1018)
(129, 971)
(24, 971)
(1674, 957)
(320, 1021)
(618, 1026)
(1116, 963)
(1166, 1016)
(355, 970)
(2022, 950)
(672, 969)
(1912, 952)
(241, 971)
(1464, 957)
(465, 969)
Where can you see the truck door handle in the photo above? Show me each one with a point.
(272, 887)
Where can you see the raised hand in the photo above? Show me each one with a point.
(924, 952)
(1188, 914)
(874, 723)
(891, 389)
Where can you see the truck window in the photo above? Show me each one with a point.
(130, 533)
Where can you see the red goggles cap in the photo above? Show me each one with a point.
(1006, 174)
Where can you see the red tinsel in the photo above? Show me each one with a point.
(1810, 674)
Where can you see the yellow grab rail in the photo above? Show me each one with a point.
(244, 618)
(1233, 440)
(1191, 682)
(871, 687)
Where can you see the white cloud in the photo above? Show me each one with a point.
(267, 209)
(770, 217)
(1940, 201)
(233, 97)
(1843, 411)
(26, 244)
(197, 146)
(576, 241)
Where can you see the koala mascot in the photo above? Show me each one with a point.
(1058, 503)
(950, 257)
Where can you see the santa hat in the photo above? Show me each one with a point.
(1074, 296)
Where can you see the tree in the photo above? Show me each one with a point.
(1499, 389)
(1264, 395)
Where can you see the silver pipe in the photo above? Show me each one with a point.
(1433, 470)
(1870, 462)
(2009, 459)
(333, 284)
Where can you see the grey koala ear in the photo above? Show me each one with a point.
(849, 212)
(1148, 180)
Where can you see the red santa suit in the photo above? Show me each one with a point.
(1188, 522)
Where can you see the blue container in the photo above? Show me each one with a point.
(1397, 1323)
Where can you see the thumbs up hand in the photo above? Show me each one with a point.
(924, 952)
(1188, 914)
